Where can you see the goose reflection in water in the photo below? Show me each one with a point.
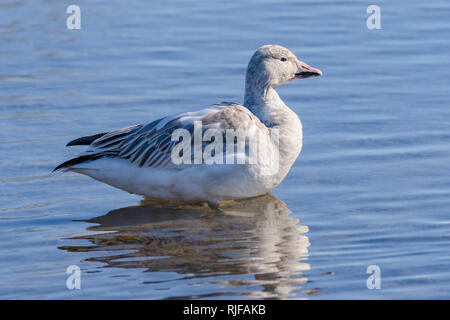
(253, 237)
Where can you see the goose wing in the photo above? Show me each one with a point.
(151, 144)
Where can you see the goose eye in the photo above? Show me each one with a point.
(283, 59)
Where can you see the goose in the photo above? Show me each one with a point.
(163, 159)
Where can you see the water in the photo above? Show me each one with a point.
(371, 186)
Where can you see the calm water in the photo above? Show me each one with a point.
(371, 187)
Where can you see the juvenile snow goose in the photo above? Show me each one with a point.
(210, 154)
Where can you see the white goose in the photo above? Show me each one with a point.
(139, 159)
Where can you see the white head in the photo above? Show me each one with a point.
(273, 65)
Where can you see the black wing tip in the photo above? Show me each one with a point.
(72, 143)
(67, 163)
(62, 165)
(77, 160)
(58, 167)
(83, 141)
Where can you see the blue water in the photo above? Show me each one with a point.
(371, 186)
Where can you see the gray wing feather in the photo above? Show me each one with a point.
(150, 145)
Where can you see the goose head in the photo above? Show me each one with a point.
(273, 65)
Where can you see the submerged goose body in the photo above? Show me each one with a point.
(150, 160)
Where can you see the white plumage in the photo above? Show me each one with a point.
(139, 159)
